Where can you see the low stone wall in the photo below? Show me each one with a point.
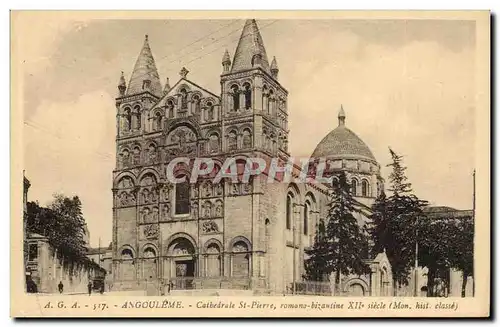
(48, 269)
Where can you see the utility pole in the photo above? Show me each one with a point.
(99, 252)
(416, 258)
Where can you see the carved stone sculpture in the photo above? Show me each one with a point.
(151, 231)
(210, 227)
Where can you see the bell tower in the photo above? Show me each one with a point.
(254, 103)
(141, 93)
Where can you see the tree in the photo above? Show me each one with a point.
(434, 252)
(72, 225)
(316, 265)
(449, 243)
(463, 256)
(62, 223)
(346, 243)
(379, 225)
(396, 221)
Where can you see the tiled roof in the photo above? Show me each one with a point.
(342, 142)
(250, 44)
(145, 69)
(101, 250)
(441, 212)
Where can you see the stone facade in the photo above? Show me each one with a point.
(206, 235)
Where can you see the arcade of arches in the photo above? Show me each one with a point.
(181, 261)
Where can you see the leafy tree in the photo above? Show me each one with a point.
(448, 243)
(463, 258)
(72, 225)
(435, 251)
(62, 223)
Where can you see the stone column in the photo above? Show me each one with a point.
(230, 104)
(373, 185)
(375, 282)
(257, 95)
(205, 265)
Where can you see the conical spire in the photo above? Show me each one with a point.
(145, 75)
(226, 62)
(122, 86)
(341, 116)
(274, 68)
(226, 58)
(250, 50)
(274, 64)
(167, 87)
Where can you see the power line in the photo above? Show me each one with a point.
(106, 156)
(201, 38)
(213, 42)
(185, 47)
(109, 155)
(227, 44)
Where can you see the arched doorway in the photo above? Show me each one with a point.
(127, 267)
(149, 267)
(241, 260)
(213, 266)
(356, 289)
(183, 263)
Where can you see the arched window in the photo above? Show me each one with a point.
(210, 111)
(307, 207)
(158, 119)
(170, 108)
(364, 188)
(184, 99)
(137, 116)
(265, 96)
(248, 96)
(196, 102)
(289, 211)
(354, 187)
(127, 120)
(270, 100)
(236, 97)
(182, 193)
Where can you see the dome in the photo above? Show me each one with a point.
(343, 143)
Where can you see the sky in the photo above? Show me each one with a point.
(404, 84)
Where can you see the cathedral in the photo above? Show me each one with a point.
(226, 235)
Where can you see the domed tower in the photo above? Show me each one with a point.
(343, 150)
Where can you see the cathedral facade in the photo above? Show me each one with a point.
(225, 235)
